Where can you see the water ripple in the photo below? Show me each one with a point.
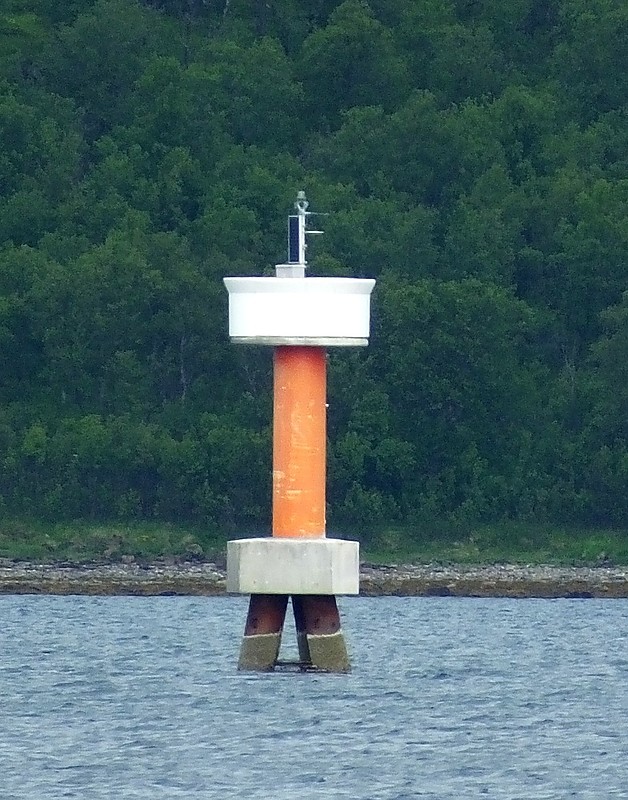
(138, 698)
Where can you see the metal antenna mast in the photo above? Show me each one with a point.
(297, 243)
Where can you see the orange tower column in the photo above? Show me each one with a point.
(299, 442)
(299, 477)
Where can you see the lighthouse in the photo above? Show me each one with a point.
(300, 317)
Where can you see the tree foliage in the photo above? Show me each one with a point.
(471, 157)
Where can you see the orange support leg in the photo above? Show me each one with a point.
(299, 441)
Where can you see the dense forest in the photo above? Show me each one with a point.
(471, 156)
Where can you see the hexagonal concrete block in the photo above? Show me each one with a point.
(293, 566)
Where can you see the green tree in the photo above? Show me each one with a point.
(352, 61)
(21, 357)
(457, 364)
(484, 230)
(124, 326)
(609, 365)
(590, 57)
(176, 106)
(24, 34)
(40, 144)
(453, 60)
(578, 232)
(97, 58)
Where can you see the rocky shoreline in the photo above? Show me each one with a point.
(410, 580)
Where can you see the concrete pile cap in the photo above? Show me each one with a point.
(293, 566)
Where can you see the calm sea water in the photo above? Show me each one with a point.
(139, 698)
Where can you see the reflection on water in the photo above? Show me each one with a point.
(450, 698)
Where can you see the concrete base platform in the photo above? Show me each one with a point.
(293, 566)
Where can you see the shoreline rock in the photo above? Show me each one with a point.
(499, 580)
(406, 580)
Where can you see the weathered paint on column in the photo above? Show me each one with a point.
(299, 441)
